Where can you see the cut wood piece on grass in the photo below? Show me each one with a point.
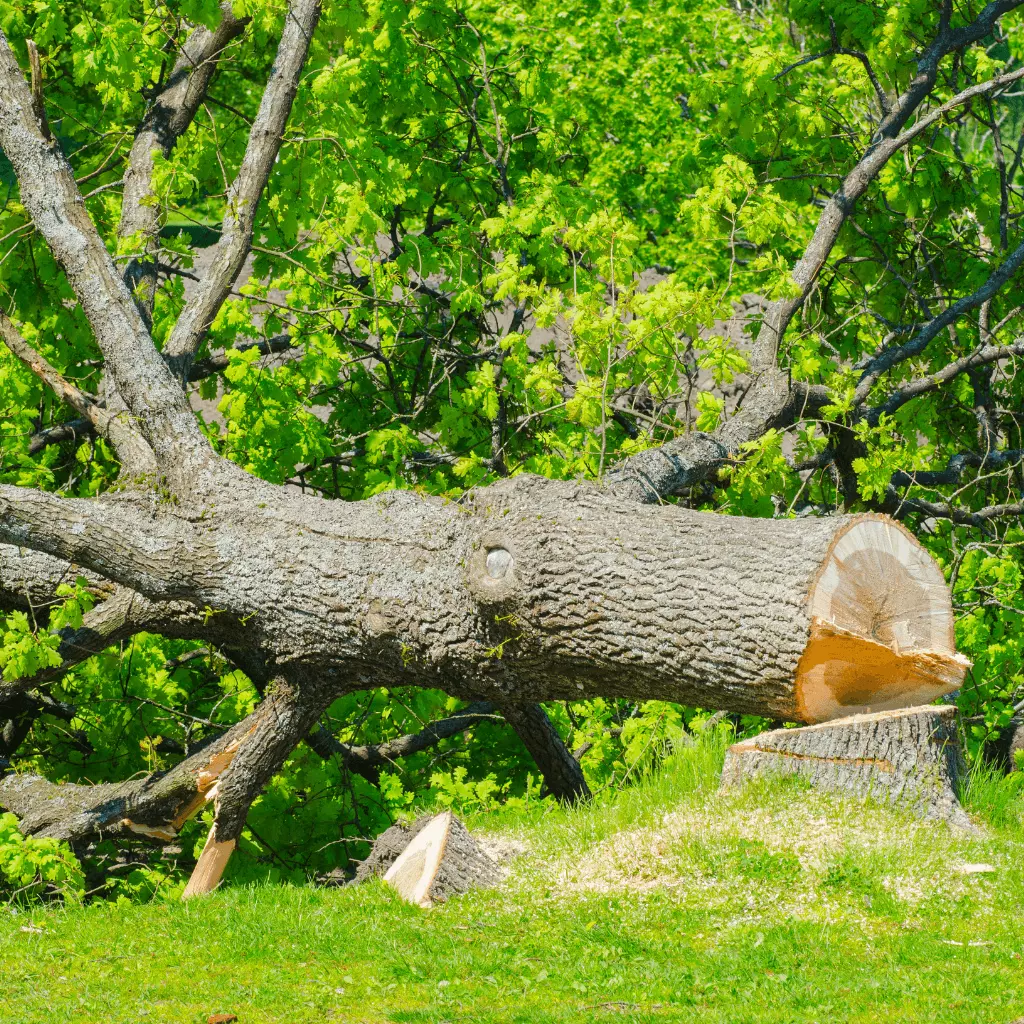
(909, 758)
(209, 869)
(429, 861)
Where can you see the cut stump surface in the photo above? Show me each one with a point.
(909, 758)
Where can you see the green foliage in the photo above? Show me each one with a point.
(32, 867)
(668, 901)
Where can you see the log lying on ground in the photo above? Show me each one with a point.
(429, 861)
(909, 758)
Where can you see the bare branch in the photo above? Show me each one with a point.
(79, 401)
(886, 142)
(118, 430)
(899, 507)
(956, 466)
(888, 358)
(983, 356)
(368, 760)
(244, 195)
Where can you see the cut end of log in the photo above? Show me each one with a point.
(881, 627)
(413, 873)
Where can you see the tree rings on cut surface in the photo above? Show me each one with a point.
(881, 632)
(429, 861)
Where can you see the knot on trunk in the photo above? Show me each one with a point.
(493, 571)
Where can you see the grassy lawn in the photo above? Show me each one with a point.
(667, 902)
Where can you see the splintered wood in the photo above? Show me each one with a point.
(881, 627)
(909, 758)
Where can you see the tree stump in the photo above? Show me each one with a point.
(429, 861)
(909, 758)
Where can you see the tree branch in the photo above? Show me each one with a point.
(368, 760)
(956, 466)
(886, 142)
(29, 579)
(244, 195)
(772, 401)
(120, 538)
(165, 122)
(120, 617)
(50, 195)
(888, 358)
(119, 430)
(922, 385)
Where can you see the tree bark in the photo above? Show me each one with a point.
(910, 758)
(429, 861)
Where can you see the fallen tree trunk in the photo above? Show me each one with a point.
(909, 758)
(526, 591)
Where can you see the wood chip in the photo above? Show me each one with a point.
(975, 869)
(222, 1018)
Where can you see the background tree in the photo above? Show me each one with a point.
(755, 260)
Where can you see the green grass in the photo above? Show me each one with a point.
(665, 902)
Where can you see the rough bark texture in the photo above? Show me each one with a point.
(230, 770)
(910, 758)
(1004, 751)
(463, 865)
(165, 122)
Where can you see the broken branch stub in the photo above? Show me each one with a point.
(909, 758)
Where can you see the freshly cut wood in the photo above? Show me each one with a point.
(909, 758)
(881, 632)
(429, 861)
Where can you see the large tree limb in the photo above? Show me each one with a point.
(49, 193)
(165, 122)
(29, 579)
(231, 769)
(120, 539)
(562, 772)
(247, 189)
(772, 401)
